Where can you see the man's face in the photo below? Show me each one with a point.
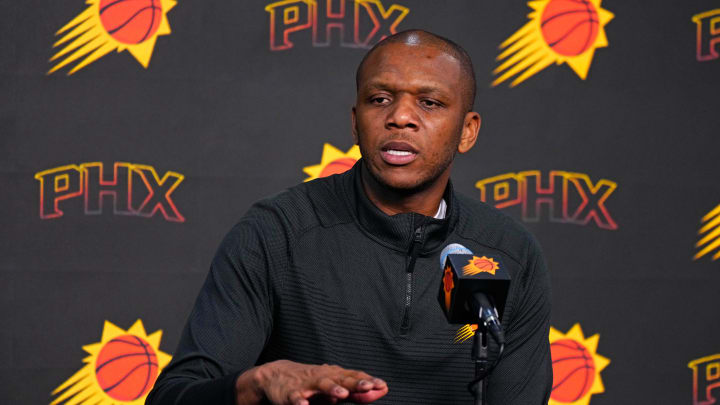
(410, 115)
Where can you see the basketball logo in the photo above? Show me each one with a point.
(573, 370)
(121, 368)
(569, 26)
(559, 31)
(333, 161)
(112, 25)
(130, 21)
(126, 367)
(338, 166)
(576, 367)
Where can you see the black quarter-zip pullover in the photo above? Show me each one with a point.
(318, 274)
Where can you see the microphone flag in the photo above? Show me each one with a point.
(465, 274)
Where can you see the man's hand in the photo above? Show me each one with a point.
(285, 382)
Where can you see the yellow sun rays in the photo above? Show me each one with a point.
(711, 240)
(332, 156)
(83, 387)
(464, 333)
(525, 52)
(575, 333)
(91, 42)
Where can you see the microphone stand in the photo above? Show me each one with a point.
(478, 386)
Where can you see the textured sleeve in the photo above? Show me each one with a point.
(524, 373)
(231, 320)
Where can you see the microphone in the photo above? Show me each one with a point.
(473, 288)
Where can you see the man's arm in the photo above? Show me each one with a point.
(231, 322)
(524, 373)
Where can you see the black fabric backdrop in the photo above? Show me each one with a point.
(240, 121)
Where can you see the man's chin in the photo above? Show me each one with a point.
(404, 184)
(403, 180)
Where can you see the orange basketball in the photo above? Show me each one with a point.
(337, 166)
(573, 370)
(569, 27)
(126, 368)
(130, 21)
(483, 264)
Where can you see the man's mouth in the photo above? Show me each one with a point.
(398, 153)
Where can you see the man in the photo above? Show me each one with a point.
(344, 270)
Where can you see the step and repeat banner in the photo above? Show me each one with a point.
(135, 133)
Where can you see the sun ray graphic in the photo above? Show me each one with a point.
(333, 161)
(576, 367)
(711, 241)
(464, 333)
(121, 368)
(112, 25)
(559, 31)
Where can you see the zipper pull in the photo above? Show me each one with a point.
(415, 248)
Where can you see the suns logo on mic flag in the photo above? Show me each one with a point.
(333, 161)
(448, 286)
(559, 31)
(112, 25)
(576, 367)
(480, 265)
(121, 368)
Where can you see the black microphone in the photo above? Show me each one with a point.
(473, 288)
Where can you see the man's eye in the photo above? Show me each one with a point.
(379, 100)
(429, 103)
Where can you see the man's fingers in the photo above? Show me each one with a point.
(359, 381)
(379, 384)
(349, 381)
(363, 382)
(297, 398)
(368, 397)
(330, 388)
(364, 385)
(302, 384)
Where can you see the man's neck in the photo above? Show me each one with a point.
(391, 202)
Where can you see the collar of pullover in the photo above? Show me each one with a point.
(398, 231)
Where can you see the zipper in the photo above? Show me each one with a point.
(414, 252)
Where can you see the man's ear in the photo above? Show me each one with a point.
(354, 126)
(469, 135)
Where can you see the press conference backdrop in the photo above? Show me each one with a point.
(136, 133)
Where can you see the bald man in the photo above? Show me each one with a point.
(327, 292)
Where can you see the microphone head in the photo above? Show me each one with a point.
(453, 249)
(465, 274)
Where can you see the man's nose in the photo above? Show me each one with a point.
(402, 114)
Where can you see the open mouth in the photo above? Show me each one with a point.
(398, 153)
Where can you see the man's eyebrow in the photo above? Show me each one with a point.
(431, 90)
(382, 85)
(377, 84)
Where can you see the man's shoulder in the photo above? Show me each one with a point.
(493, 228)
(317, 202)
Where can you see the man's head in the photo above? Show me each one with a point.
(420, 37)
(415, 92)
